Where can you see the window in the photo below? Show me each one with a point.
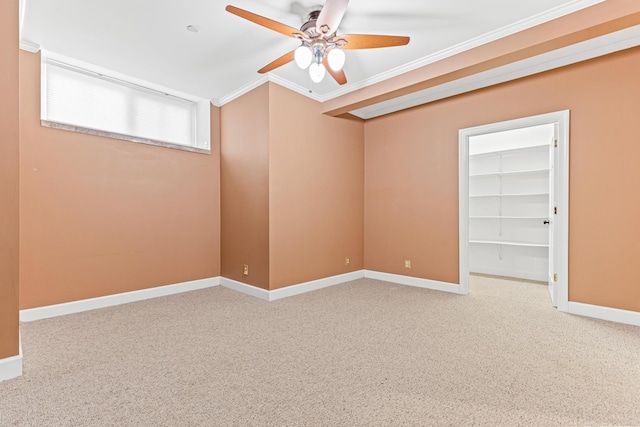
(78, 99)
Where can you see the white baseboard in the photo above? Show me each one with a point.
(290, 290)
(605, 313)
(38, 313)
(510, 273)
(413, 281)
(254, 291)
(314, 285)
(11, 367)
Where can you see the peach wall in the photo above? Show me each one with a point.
(411, 184)
(102, 216)
(411, 187)
(316, 189)
(244, 181)
(9, 177)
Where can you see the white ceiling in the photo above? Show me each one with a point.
(148, 39)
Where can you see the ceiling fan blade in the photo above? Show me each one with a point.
(265, 22)
(337, 75)
(284, 59)
(367, 41)
(330, 16)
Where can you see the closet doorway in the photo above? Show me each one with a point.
(513, 194)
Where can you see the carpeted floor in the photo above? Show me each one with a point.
(361, 353)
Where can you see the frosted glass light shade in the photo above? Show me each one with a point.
(317, 71)
(303, 56)
(336, 59)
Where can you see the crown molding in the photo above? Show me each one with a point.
(263, 79)
(29, 46)
(583, 51)
(486, 38)
(508, 30)
(296, 88)
(22, 7)
(241, 91)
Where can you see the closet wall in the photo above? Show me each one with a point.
(510, 188)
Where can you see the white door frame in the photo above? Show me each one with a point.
(561, 247)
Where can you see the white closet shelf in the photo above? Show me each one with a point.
(507, 217)
(513, 151)
(511, 243)
(521, 172)
(509, 195)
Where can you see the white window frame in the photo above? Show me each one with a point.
(201, 122)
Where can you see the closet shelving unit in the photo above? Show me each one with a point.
(509, 207)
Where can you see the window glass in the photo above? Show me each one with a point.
(77, 97)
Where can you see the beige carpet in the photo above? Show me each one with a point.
(362, 353)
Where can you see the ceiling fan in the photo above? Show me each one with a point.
(321, 48)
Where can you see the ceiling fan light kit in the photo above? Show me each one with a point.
(317, 72)
(336, 59)
(321, 49)
(303, 56)
(314, 60)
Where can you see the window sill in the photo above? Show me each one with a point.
(71, 128)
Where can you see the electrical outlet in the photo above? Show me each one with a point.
(245, 270)
(347, 261)
(407, 263)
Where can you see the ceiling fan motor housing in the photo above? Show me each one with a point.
(309, 27)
